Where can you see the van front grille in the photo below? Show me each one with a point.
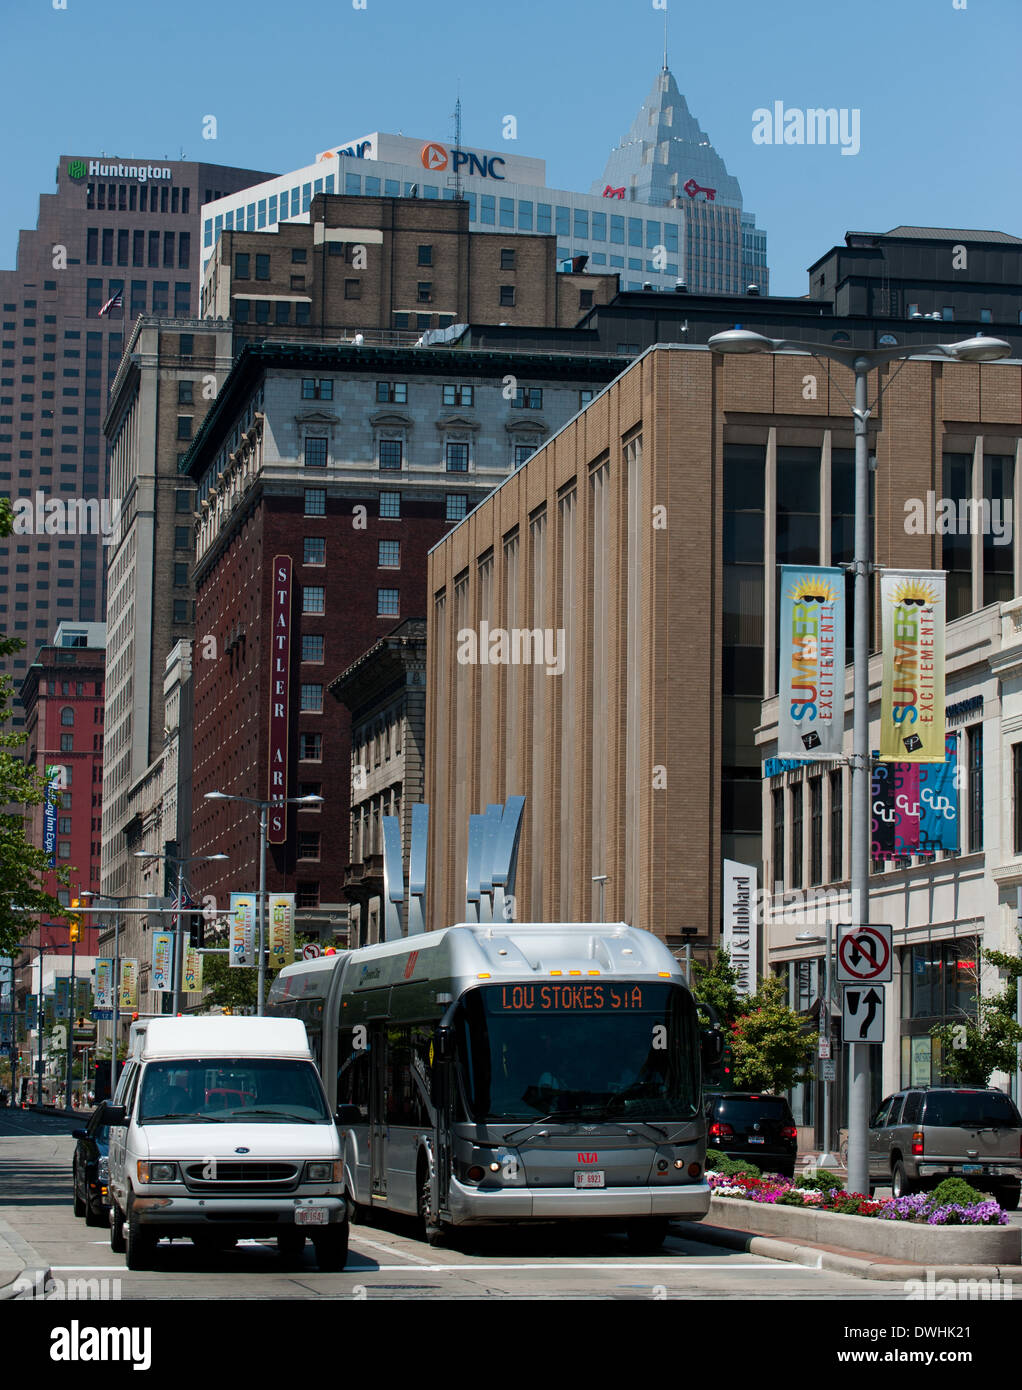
(228, 1176)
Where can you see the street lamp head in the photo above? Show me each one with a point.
(310, 800)
(216, 856)
(215, 796)
(809, 936)
(978, 349)
(739, 340)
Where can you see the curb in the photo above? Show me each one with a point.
(836, 1261)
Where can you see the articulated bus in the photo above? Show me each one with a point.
(522, 1072)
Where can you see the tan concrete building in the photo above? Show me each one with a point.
(404, 265)
(627, 580)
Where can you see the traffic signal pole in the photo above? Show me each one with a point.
(71, 1023)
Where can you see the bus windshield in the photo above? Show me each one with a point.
(598, 1049)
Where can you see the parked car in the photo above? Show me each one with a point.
(923, 1134)
(90, 1171)
(750, 1125)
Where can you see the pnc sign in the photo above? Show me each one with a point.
(436, 157)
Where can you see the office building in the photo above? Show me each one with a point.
(113, 227)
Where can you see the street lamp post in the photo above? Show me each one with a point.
(178, 952)
(264, 807)
(116, 1020)
(861, 362)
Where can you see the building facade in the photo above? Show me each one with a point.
(112, 227)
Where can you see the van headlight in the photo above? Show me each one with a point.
(325, 1171)
(157, 1172)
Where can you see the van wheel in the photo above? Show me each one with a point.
(290, 1246)
(80, 1206)
(901, 1183)
(94, 1216)
(432, 1233)
(116, 1230)
(139, 1245)
(331, 1248)
(1007, 1197)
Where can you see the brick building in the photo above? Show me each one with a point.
(647, 533)
(385, 264)
(350, 461)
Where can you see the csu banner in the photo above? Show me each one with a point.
(915, 806)
(912, 612)
(104, 983)
(193, 970)
(282, 930)
(811, 673)
(243, 906)
(162, 975)
(739, 940)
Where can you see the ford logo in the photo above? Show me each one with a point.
(241, 1151)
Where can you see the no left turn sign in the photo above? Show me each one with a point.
(864, 954)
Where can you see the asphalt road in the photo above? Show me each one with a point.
(386, 1261)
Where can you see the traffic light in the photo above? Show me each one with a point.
(74, 923)
(727, 1063)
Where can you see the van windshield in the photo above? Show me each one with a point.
(214, 1090)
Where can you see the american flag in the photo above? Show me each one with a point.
(115, 302)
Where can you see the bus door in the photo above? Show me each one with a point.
(443, 1083)
(378, 1101)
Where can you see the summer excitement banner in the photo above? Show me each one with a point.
(192, 970)
(811, 707)
(912, 612)
(162, 970)
(243, 906)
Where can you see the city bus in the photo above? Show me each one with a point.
(495, 1073)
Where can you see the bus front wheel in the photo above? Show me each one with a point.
(432, 1233)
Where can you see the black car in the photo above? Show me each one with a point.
(89, 1171)
(753, 1126)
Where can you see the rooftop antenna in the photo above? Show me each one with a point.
(665, 38)
(455, 182)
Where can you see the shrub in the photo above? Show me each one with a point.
(956, 1192)
(822, 1181)
(734, 1166)
(715, 1161)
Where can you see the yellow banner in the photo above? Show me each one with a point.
(193, 970)
(282, 930)
(129, 984)
(912, 614)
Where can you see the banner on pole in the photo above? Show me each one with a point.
(193, 970)
(811, 674)
(282, 930)
(915, 806)
(104, 983)
(63, 992)
(129, 984)
(739, 938)
(162, 974)
(243, 907)
(912, 612)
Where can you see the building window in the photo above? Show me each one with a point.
(353, 289)
(389, 555)
(387, 603)
(974, 744)
(67, 743)
(182, 538)
(584, 397)
(315, 501)
(522, 452)
(184, 393)
(947, 313)
(310, 748)
(986, 316)
(64, 828)
(299, 255)
(310, 789)
(424, 292)
(181, 610)
(262, 267)
(241, 310)
(391, 453)
(184, 427)
(816, 830)
(507, 258)
(777, 864)
(796, 836)
(457, 395)
(312, 646)
(457, 458)
(312, 699)
(457, 507)
(308, 388)
(425, 255)
(315, 550)
(63, 849)
(315, 452)
(67, 717)
(507, 296)
(180, 576)
(242, 263)
(314, 598)
(298, 282)
(390, 504)
(585, 299)
(1016, 784)
(392, 392)
(528, 398)
(837, 827)
(308, 844)
(306, 894)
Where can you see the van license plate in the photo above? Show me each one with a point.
(312, 1216)
(590, 1178)
(972, 1167)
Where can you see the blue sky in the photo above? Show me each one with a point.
(936, 87)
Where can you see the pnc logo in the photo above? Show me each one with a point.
(434, 157)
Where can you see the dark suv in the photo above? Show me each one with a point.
(924, 1134)
(747, 1124)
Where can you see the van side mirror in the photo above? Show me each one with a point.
(348, 1115)
(115, 1115)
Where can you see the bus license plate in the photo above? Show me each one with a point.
(312, 1216)
(591, 1178)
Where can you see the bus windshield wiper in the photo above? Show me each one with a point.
(542, 1120)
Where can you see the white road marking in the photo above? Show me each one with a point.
(389, 1250)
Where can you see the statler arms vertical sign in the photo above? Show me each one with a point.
(280, 688)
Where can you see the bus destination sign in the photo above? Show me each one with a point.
(577, 998)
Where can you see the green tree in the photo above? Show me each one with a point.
(772, 1052)
(717, 985)
(22, 865)
(973, 1048)
(230, 989)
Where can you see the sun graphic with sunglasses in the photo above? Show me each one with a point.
(914, 593)
(812, 589)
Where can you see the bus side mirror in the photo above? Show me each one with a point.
(712, 1047)
(445, 1043)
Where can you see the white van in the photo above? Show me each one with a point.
(220, 1128)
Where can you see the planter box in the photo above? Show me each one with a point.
(909, 1241)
